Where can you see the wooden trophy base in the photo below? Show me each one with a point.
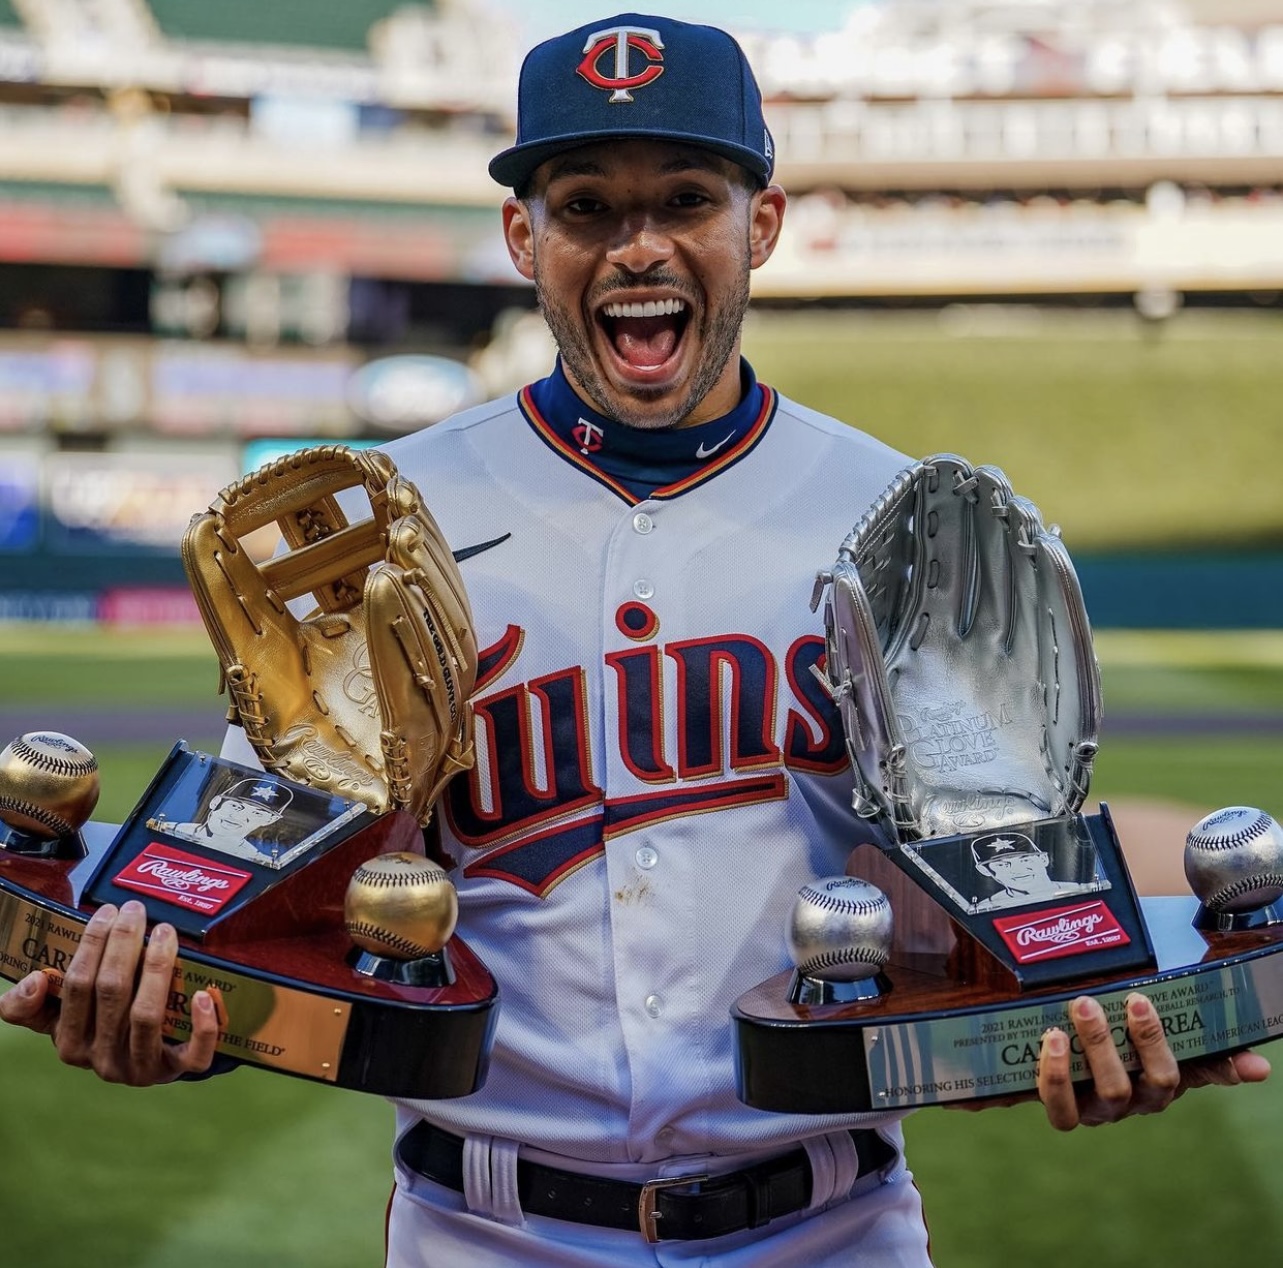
(288, 999)
(955, 1023)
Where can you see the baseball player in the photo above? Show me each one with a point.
(658, 771)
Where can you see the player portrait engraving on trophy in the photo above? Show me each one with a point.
(1021, 871)
(237, 821)
(251, 816)
(1008, 869)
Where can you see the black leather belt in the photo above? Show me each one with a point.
(681, 1208)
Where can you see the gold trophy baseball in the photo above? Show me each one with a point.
(49, 786)
(400, 910)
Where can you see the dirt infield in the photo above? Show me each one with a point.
(98, 726)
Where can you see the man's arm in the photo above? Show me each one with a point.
(113, 1001)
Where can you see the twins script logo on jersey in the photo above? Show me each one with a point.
(622, 40)
(704, 724)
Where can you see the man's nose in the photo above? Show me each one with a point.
(640, 245)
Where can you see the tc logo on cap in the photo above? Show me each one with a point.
(622, 39)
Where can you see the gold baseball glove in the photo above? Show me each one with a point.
(367, 695)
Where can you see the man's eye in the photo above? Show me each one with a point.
(583, 206)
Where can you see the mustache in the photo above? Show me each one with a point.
(621, 283)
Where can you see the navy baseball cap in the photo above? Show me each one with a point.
(1002, 846)
(634, 76)
(265, 792)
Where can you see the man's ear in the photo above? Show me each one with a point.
(764, 228)
(519, 234)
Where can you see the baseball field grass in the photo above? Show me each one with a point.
(270, 1172)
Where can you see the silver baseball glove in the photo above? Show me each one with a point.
(960, 657)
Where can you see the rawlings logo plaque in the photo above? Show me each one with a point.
(1061, 931)
(173, 876)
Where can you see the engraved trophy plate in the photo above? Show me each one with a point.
(260, 1021)
(993, 1053)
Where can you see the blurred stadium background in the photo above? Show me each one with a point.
(1045, 235)
(230, 229)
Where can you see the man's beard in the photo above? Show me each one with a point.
(719, 336)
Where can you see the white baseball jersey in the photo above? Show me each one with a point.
(658, 772)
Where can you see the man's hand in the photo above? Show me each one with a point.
(1113, 1092)
(112, 1010)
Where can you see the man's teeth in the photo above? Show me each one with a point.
(652, 308)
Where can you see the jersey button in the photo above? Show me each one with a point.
(642, 523)
(654, 1005)
(647, 857)
(665, 1136)
(643, 589)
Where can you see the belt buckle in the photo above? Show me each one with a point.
(648, 1213)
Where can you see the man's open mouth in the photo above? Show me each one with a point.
(645, 334)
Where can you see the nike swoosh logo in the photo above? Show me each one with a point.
(701, 452)
(468, 551)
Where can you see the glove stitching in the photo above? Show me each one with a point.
(272, 719)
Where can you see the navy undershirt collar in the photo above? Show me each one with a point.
(643, 461)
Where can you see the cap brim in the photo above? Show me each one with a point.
(514, 166)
